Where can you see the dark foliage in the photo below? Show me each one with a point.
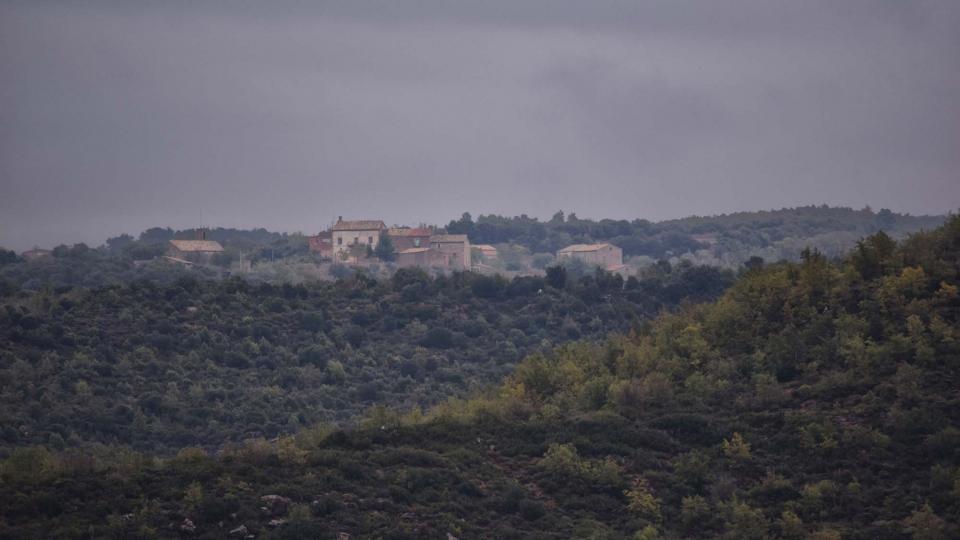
(812, 400)
(195, 361)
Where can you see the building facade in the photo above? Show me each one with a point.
(194, 251)
(409, 238)
(36, 254)
(604, 255)
(348, 235)
(455, 246)
(322, 244)
(422, 257)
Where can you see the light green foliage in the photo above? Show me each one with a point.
(743, 522)
(648, 533)
(925, 524)
(564, 460)
(736, 448)
(695, 512)
(288, 452)
(791, 526)
(193, 495)
(642, 502)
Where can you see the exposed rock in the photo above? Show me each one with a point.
(275, 505)
(274, 523)
(451, 537)
(343, 536)
(187, 526)
(240, 531)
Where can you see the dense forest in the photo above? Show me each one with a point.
(194, 361)
(815, 399)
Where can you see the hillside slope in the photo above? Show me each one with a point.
(205, 362)
(811, 399)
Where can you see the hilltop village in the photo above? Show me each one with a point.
(370, 242)
(359, 241)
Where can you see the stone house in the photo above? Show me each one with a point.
(195, 251)
(408, 238)
(322, 244)
(422, 257)
(346, 235)
(36, 253)
(605, 255)
(455, 246)
(485, 251)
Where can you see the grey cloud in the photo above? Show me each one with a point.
(117, 116)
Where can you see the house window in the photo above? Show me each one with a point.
(370, 240)
(339, 240)
(416, 242)
(356, 240)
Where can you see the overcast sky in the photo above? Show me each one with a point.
(118, 116)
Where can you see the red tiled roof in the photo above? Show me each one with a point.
(449, 238)
(359, 225)
(197, 246)
(583, 247)
(406, 231)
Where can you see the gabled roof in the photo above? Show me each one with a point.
(449, 238)
(579, 248)
(197, 246)
(359, 225)
(406, 231)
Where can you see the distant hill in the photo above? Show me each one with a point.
(729, 239)
(815, 399)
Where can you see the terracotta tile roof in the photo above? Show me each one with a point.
(405, 231)
(583, 247)
(448, 238)
(359, 225)
(413, 250)
(197, 246)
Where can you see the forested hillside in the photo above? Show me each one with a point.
(729, 239)
(812, 400)
(197, 361)
(525, 245)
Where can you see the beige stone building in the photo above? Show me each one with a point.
(422, 257)
(347, 234)
(455, 246)
(194, 251)
(36, 254)
(604, 255)
(486, 251)
(406, 237)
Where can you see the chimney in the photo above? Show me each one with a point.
(339, 219)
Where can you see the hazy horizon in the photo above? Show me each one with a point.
(117, 116)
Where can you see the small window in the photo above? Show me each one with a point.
(356, 239)
(416, 242)
(339, 240)
(370, 240)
